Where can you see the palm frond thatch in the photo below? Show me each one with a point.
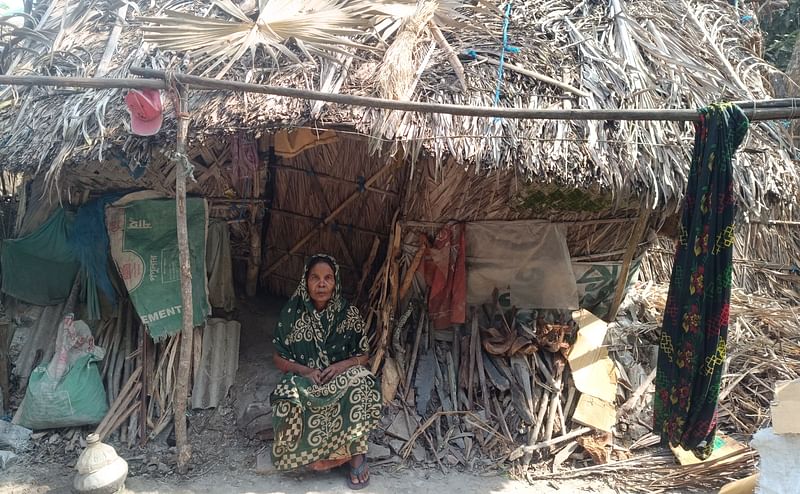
(636, 54)
(318, 27)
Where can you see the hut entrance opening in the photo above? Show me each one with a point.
(322, 193)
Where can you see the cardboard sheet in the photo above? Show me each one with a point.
(723, 445)
(592, 369)
(786, 409)
(594, 412)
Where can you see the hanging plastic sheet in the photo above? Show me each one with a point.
(526, 261)
(89, 242)
(40, 268)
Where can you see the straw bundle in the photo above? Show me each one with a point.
(396, 73)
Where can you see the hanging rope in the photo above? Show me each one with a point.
(503, 50)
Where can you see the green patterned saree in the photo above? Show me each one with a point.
(694, 334)
(329, 421)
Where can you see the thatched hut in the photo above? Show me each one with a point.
(362, 183)
(631, 55)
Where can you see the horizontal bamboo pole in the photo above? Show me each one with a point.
(82, 82)
(463, 110)
(602, 221)
(753, 112)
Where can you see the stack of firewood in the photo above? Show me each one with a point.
(497, 389)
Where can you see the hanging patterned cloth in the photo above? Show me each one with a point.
(695, 329)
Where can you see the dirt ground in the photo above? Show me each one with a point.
(224, 459)
(57, 478)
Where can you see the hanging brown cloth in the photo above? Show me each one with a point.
(445, 270)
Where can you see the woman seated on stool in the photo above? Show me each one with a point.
(327, 402)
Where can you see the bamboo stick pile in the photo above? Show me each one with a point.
(138, 376)
(497, 389)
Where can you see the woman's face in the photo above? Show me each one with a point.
(321, 283)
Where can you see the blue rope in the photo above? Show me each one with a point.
(504, 49)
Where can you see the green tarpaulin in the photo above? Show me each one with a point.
(144, 245)
(40, 268)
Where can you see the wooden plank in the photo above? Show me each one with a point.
(500, 381)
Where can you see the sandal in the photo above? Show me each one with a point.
(356, 472)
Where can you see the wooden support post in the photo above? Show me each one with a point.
(636, 236)
(254, 260)
(187, 332)
(4, 384)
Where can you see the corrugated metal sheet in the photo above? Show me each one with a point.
(218, 363)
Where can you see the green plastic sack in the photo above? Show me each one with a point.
(78, 398)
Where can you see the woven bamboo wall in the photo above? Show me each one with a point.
(307, 189)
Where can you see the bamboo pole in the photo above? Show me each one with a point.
(82, 82)
(187, 332)
(753, 112)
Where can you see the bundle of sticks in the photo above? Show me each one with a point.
(139, 378)
(495, 390)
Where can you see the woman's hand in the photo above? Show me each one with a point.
(315, 375)
(334, 370)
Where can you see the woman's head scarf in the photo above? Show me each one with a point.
(315, 338)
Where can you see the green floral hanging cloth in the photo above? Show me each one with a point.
(692, 348)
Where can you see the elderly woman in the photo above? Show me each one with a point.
(327, 402)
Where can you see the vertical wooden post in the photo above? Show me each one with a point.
(254, 260)
(4, 384)
(636, 237)
(187, 332)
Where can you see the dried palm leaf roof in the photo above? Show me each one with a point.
(632, 54)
